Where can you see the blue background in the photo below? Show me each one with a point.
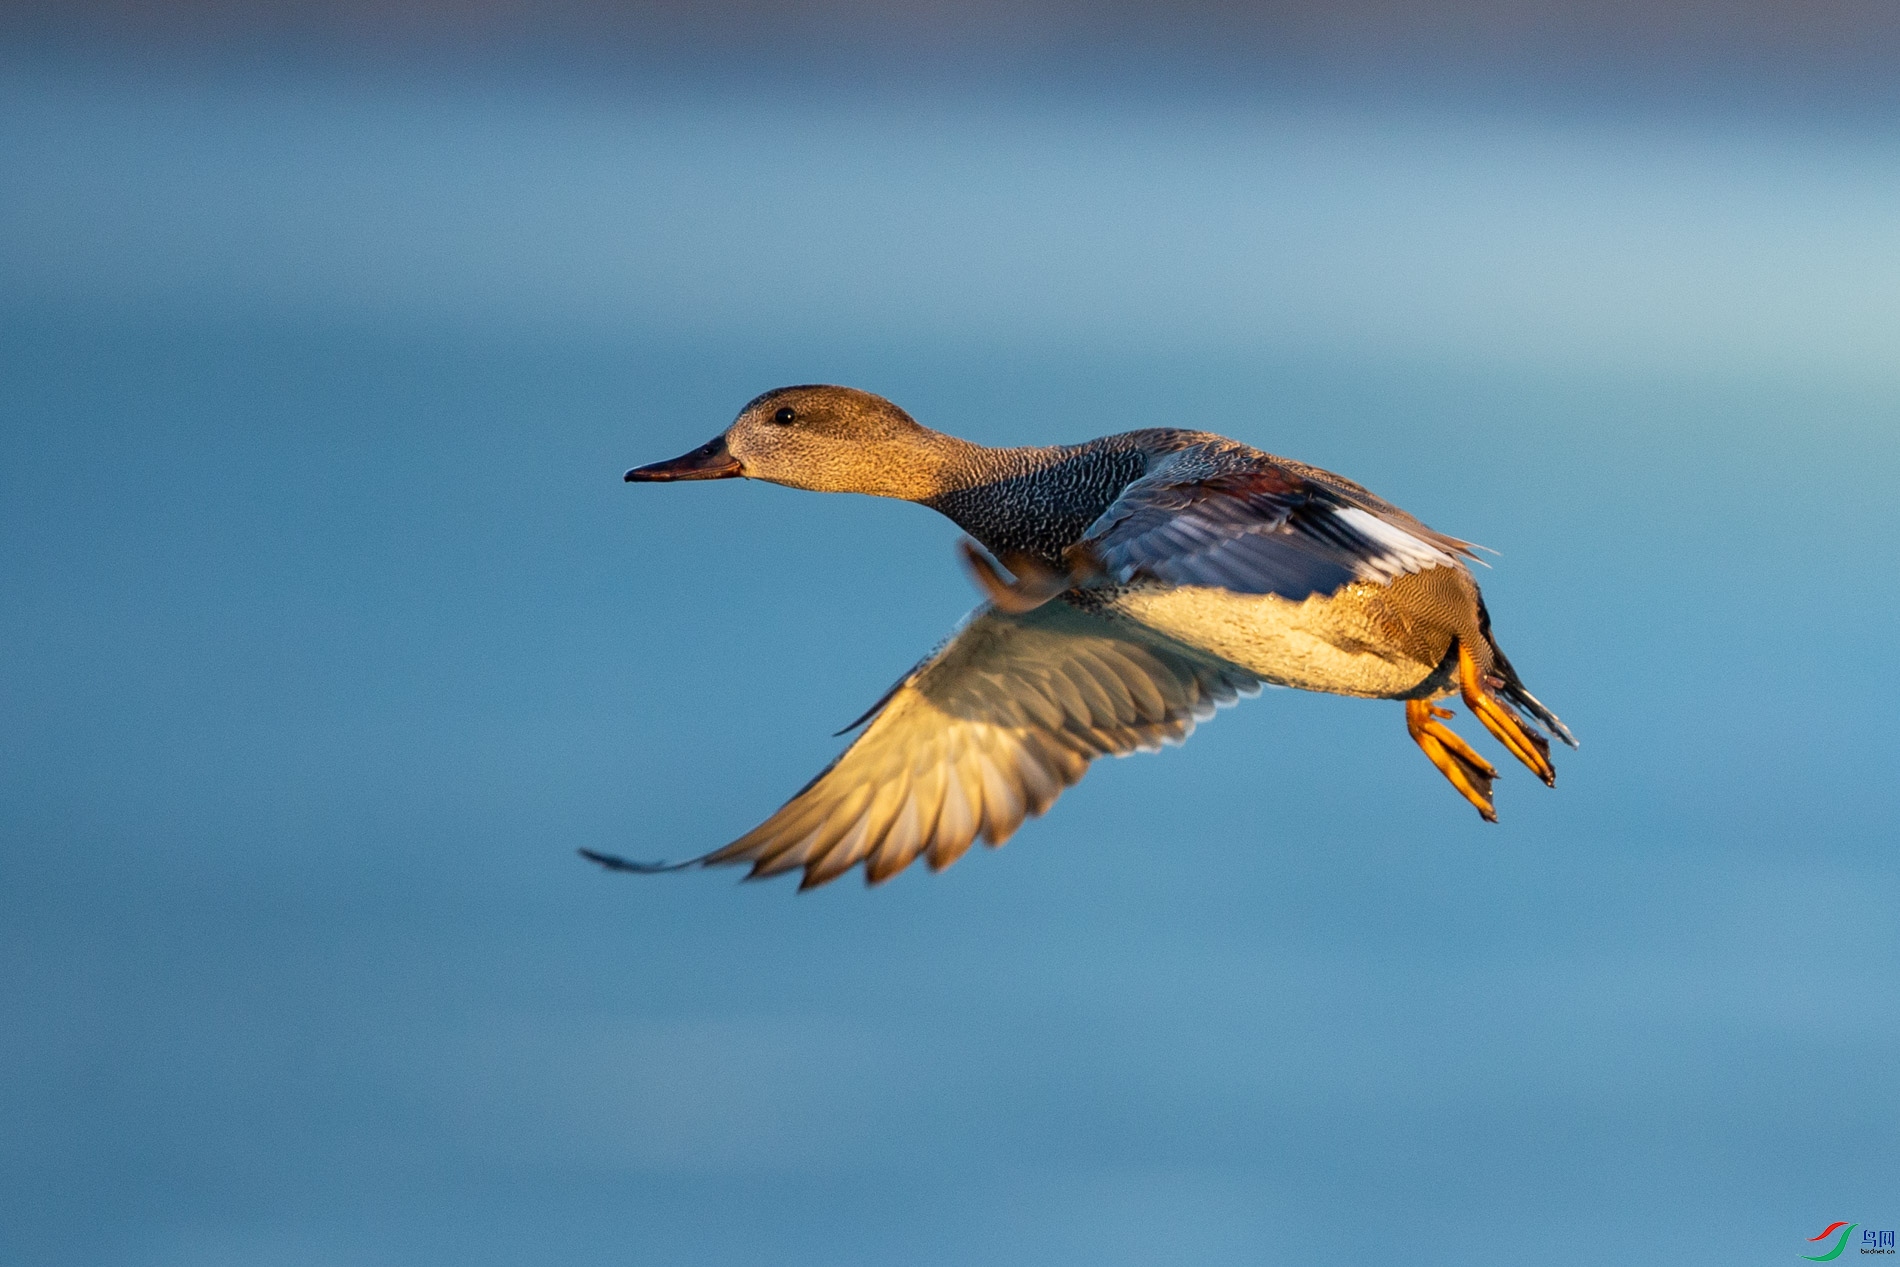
(330, 632)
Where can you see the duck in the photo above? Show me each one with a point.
(1132, 584)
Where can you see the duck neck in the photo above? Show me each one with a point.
(1034, 500)
(918, 472)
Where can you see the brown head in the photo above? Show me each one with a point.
(828, 439)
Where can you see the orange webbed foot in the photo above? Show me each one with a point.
(1035, 583)
(1470, 773)
(1502, 720)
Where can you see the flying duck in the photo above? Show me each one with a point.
(1133, 584)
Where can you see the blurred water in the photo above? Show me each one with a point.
(1129, 222)
(331, 632)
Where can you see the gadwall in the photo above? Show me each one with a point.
(1154, 576)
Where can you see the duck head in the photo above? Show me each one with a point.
(828, 439)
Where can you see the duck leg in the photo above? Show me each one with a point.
(1502, 720)
(1035, 582)
(1470, 773)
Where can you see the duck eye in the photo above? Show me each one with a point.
(785, 417)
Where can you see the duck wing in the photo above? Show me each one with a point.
(1257, 525)
(987, 731)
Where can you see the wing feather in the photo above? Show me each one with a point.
(1236, 519)
(956, 826)
(985, 734)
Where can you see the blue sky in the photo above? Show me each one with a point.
(332, 632)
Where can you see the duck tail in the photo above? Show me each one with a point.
(1514, 689)
(1515, 692)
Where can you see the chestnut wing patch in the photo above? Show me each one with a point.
(1264, 530)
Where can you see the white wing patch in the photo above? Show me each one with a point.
(1258, 528)
(1398, 551)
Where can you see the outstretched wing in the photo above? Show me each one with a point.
(986, 732)
(1258, 526)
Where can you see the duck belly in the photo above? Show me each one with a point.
(1357, 641)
